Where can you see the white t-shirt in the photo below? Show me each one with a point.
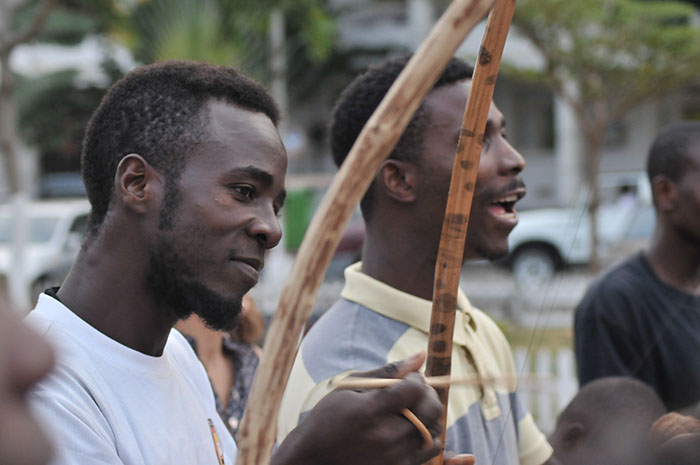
(105, 403)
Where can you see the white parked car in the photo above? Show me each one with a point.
(55, 233)
(550, 238)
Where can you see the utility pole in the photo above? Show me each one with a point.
(278, 65)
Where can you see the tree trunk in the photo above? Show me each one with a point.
(594, 142)
(17, 284)
(8, 132)
(278, 65)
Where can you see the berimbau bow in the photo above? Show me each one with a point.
(454, 227)
(375, 142)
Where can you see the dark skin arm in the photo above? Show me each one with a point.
(367, 427)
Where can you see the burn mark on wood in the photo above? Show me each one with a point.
(469, 186)
(484, 56)
(447, 302)
(453, 233)
(467, 164)
(439, 366)
(454, 225)
(439, 346)
(491, 80)
(456, 218)
(466, 133)
(437, 328)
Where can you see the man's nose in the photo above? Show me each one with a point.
(511, 162)
(266, 228)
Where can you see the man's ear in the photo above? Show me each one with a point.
(398, 180)
(572, 434)
(665, 193)
(136, 183)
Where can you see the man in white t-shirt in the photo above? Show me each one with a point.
(184, 170)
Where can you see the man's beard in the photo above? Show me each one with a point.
(173, 283)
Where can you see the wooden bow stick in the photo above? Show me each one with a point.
(464, 172)
(382, 131)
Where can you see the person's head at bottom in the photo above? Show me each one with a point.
(607, 423)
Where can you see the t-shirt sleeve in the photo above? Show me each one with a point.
(78, 435)
(603, 337)
(534, 448)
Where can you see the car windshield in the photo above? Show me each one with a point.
(40, 229)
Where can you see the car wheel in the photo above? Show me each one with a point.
(534, 266)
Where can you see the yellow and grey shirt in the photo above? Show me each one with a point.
(373, 324)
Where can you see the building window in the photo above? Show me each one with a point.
(533, 110)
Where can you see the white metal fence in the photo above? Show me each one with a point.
(547, 382)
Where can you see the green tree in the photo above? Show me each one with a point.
(22, 22)
(57, 130)
(47, 21)
(13, 33)
(605, 58)
(233, 32)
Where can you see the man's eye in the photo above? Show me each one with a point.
(246, 192)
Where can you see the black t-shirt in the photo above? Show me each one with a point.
(630, 323)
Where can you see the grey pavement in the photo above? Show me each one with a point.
(551, 303)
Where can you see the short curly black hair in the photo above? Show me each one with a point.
(156, 112)
(671, 153)
(359, 100)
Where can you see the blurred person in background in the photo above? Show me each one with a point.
(642, 318)
(230, 359)
(607, 423)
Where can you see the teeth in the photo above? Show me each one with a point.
(507, 215)
(510, 198)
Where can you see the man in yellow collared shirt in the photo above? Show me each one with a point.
(384, 311)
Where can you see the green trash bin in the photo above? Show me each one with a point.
(298, 209)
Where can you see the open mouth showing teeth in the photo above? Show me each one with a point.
(505, 206)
